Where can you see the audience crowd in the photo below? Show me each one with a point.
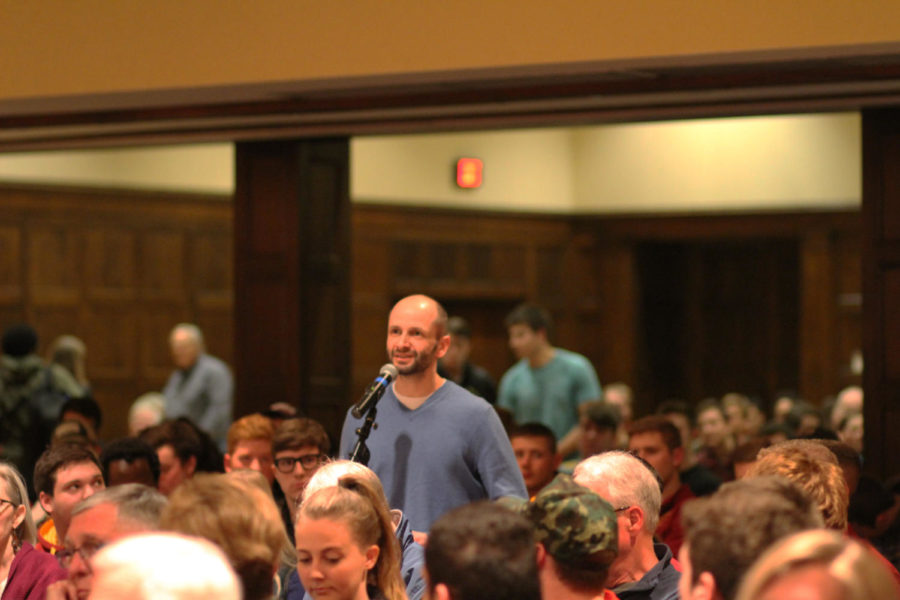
(583, 497)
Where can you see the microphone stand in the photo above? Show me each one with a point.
(360, 452)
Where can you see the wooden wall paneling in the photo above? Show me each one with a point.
(110, 267)
(292, 276)
(11, 261)
(55, 263)
(881, 288)
(110, 258)
(818, 318)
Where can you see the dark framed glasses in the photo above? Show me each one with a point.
(286, 464)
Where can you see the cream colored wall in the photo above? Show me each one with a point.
(527, 170)
(207, 168)
(748, 163)
(53, 48)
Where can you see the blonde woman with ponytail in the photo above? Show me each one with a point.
(346, 548)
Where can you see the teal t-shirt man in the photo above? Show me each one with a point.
(548, 384)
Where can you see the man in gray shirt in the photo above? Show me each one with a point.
(201, 386)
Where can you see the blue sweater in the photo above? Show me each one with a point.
(450, 451)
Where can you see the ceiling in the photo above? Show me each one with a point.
(686, 87)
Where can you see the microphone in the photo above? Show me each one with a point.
(385, 376)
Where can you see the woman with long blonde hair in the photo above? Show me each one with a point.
(346, 548)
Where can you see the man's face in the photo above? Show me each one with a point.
(294, 482)
(595, 439)
(413, 345)
(524, 341)
(172, 471)
(74, 483)
(137, 471)
(185, 349)
(537, 461)
(89, 531)
(713, 428)
(651, 447)
(252, 454)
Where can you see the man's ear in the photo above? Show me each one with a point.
(46, 501)
(190, 465)
(228, 463)
(541, 555)
(705, 588)
(442, 346)
(635, 518)
(441, 592)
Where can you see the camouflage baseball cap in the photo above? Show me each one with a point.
(572, 522)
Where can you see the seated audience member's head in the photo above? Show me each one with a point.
(250, 445)
(656, 440)
(239, 518)
(299, 446)
(481, 551)
(713, 424)
(180, 450)
(157, 566)
(814, 468)
(633, 490)
(20, 520)
(75, 432)
(818, 565)
(85, 410)
(105, 517)
(851, 430)
(727, 531)
(775, 433)
(348, 519)
(147, 411)
(784, 403)
(619, 394)
(599, 423)
(576, 533)
(745, 454)
(129, 460)
(849, 400)
(735, 408)
(681, 415)
(63, 476)
(534, 445)
(804, 419)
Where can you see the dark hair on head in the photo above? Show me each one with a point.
(57, 457)
(187, 440)
(726, 532)
(293, 434)
(357, 503)
(588, 576)
(19, 340)
(773, 428)
(129, 449)
(535, 317)
(85, 406)
(658, 424)
(483, 551)
(844, 453)
(602, 414)
(676, 407)
(709, 404)
(459, 327)
(746, 452)
(538, 430)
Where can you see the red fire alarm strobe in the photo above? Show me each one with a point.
(468, 172)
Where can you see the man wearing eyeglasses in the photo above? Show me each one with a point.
(299, 447)
(103, 518)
